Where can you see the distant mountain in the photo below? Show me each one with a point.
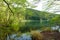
(37, 15)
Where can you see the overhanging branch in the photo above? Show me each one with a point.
(9, 7)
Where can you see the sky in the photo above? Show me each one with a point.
(38, 4)
(42, 4)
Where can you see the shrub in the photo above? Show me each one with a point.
(36, 35)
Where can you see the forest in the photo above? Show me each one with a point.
(18, 22)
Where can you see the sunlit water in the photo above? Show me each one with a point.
(22, 37)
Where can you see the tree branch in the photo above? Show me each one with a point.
(9, 7)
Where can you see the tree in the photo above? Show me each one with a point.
(55, 21)
(11, 15)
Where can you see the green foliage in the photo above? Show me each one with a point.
(13, 13)
(55, 20)
(10, 17)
